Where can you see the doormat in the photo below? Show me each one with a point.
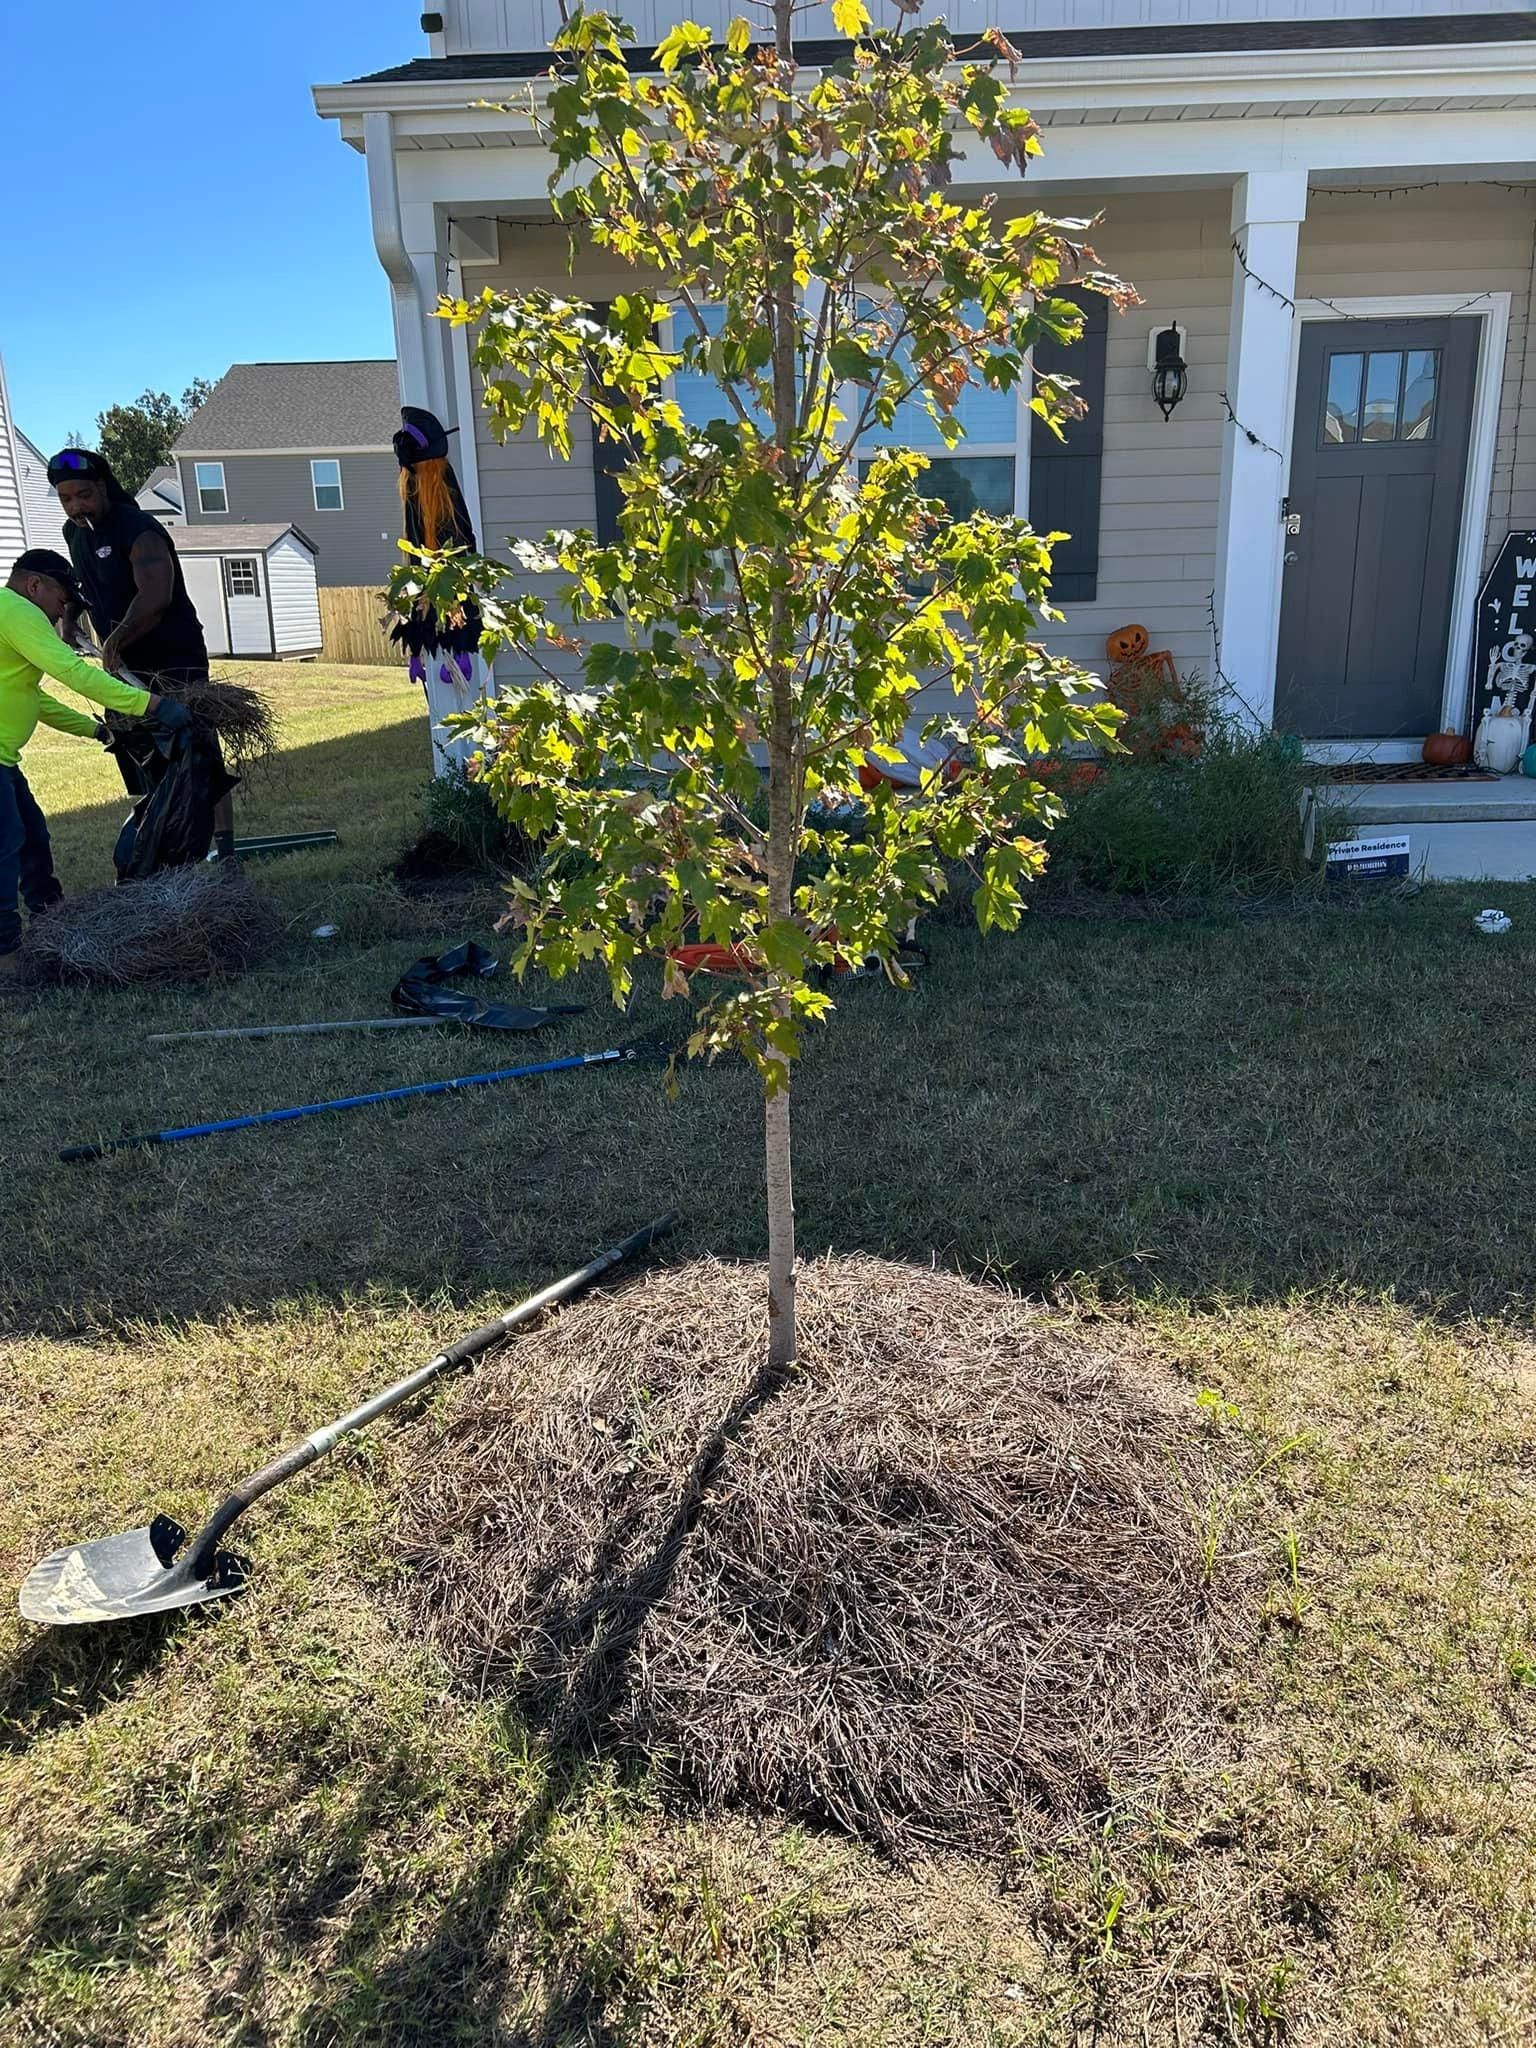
(1405, 771)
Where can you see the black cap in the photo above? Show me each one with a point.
(47, 562)
(85, 462)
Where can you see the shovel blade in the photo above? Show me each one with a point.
(118, 1577)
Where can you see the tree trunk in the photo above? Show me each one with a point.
(782, 1328)
(783, 786)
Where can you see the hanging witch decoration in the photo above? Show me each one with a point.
(435, 517)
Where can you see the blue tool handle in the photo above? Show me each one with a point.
(176, 1133)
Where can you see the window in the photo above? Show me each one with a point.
(1388, 395)
(699, 397)
(983, 472)
(242, 577)
(325, 481)
(211, 494)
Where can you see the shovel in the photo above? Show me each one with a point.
(150, 1571)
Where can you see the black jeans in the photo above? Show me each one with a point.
(26, 858)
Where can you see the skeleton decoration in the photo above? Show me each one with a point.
(436, 516)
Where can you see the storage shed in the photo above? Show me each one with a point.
(254, 588)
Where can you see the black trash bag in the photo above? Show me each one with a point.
(182, 778)
(421, 992)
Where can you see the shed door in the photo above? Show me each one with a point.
(245, 592)
(204, 578)
(1378, 475)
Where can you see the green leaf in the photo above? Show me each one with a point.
(683, 39)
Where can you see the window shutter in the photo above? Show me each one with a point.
(1065, 476)
(609, 460)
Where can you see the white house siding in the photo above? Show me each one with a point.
(13, 531)
(295, 602)
(39, 504)
(484, 25)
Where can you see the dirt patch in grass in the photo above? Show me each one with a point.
(942, 1584)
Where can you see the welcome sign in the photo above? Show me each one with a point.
(1506, 613)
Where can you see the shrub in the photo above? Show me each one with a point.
(462, 831)
(1231, 817)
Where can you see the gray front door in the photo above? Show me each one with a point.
(1378, 473)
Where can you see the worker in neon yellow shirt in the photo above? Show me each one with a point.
(41, 591)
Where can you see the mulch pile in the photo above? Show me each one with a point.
(187, 924)
(940, 1587)
(242, 717)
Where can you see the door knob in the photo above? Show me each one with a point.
(1291, 555)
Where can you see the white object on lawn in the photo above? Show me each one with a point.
(1494, 922)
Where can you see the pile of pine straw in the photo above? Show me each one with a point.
(943, 1587)
(242, 717)
(187, 924)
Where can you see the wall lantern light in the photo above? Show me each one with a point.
(1170, 372)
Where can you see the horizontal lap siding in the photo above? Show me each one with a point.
(1460, 239)
(1160, 482)
(525, 490)
(357, 545)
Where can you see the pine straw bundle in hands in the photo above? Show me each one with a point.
(941, 1587)
(187, 924)
(242, 717)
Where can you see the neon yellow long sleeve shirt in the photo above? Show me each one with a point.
(31, 649)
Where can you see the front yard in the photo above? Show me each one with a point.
(1285, 1156)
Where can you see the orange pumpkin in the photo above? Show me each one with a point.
(1127, 643)
(1447, 749)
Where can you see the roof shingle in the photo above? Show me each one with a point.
(1168, 39)
(319, 406)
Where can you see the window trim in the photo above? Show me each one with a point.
(253, 563)
(316, 462)
(220, 489)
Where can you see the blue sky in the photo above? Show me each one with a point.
(173, 203)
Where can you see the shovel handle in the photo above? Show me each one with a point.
(293, 1461)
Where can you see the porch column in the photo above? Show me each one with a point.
(1268, 208)
(406, 242)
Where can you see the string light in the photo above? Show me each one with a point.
(1257, 440)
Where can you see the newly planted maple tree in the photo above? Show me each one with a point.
(783, 582)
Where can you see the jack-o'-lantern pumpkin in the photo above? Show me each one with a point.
(1127, 643)
(1447, 749)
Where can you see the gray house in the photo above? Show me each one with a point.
(306, 444)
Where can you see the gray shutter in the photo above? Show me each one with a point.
(609, 459)
(1064, 476)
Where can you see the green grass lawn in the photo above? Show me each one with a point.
(1286, 1158)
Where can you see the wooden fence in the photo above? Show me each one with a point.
(350, 628)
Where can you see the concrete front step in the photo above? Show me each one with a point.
(1458, 831)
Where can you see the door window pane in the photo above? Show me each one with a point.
(1341, 415)
(1383, 382)
(1419, 381)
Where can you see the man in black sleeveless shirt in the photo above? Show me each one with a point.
(131, 581)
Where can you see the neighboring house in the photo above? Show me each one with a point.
(161, 495)
(307, 443)
(253, 586)
(1333, 199)
(29, 511)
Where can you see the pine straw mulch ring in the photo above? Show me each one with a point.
(187, 924)
(943, 1587)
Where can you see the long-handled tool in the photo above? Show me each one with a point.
(176, 1133)
(297, 1030)
(149, 1571)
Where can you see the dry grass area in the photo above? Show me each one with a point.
(1284, 1162)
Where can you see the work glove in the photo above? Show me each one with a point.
(105, 736)
(170, 716)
